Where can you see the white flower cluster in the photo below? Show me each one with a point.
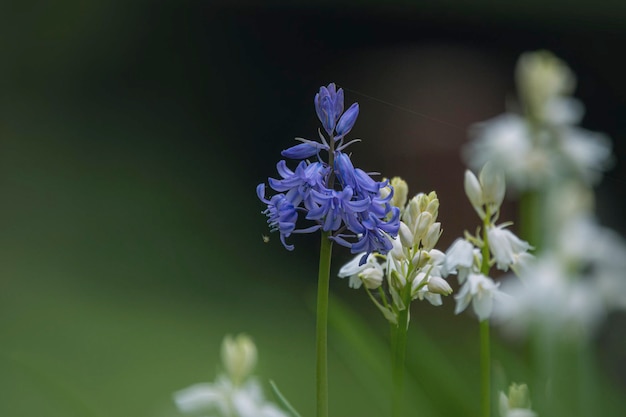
(472, 257)
(578, 275)
(234, 393)
(574, 283)
(413, 269)
(543, 143)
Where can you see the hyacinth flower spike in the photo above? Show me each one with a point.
(332, 194)
(326, 192)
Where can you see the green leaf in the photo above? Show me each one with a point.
(368, 357)
(283, 401)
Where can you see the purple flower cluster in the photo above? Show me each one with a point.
(333, 195)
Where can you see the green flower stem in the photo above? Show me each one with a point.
(530, 218)
(322, 326)
(485, 348)
(399, 354)
(485, 369)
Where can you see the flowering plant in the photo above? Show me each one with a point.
(539, 153)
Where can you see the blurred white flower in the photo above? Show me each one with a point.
(234, 393)
(576, 281)
(588, 153)
(224, 399)
(579, 275)
(506, 142)
(564, 111)
(542, 79)
(544, 143)
(239, 357)
(549, 295)
(517, 403)
(204, 395)
(481, 291)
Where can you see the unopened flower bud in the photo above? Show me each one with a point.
(519, 396)
(474, 192)
(541, 77)
(492, 184)
(517, 403)
(239, 357)
(411, 212)
(372, 277)
(396, 280)
(423, 222)
(422, 201)
(439, 285)
(420, 258)
(400, 192)
(433, 207)
(432, 236)
(406, 237)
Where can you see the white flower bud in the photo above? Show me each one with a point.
(474, 192)
(400, 192)
(439, 285)
(433, 207)
(411, 212)
(492, 184)
(542, 77)
(432, 236)
(420, 258)
(372, 277)
(406, 237)
(422, 201)
(519, 396)
(517, 403)
(396, 280)
(239, 357)
(424, 220)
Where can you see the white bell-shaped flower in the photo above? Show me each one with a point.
(505, 246)
(370, 273)
(459, 259)
(480, 290)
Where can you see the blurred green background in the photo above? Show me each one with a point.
(133, 134)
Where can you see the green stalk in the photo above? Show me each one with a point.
(530, 218)
(322, 326)
(485, 369)
(399, 354)
(485, 348)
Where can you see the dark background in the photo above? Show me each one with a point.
(133, 134)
